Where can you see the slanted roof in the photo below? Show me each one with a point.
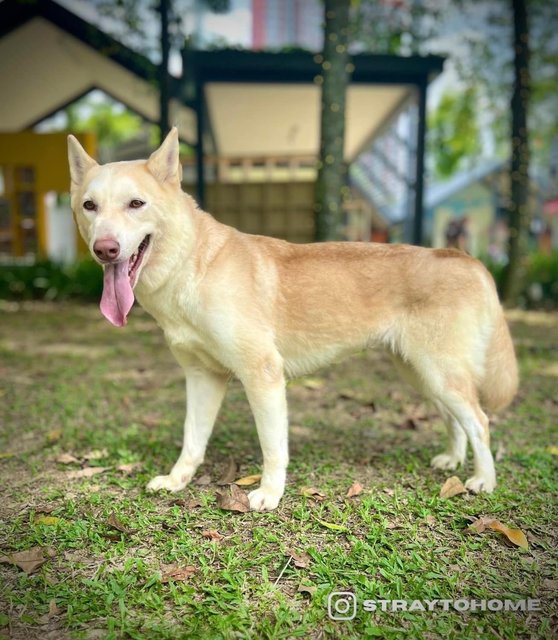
(262, 103)
(50, 57)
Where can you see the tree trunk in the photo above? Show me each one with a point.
(164, 89)
(519, 168)
(332, 172)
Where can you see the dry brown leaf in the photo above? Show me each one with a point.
(151, 420)
(389, 491)
(129, 467)
(66, 458)
(53, 609)
(550, 585)
(307, 588)
(354, 490)
(44, 508)
(96, 454)
(409, 424)
(430, 520)
(115, 522)
(452, 487)
(203, 481)
(515, 536)
(229, 474)
(174, 573)
(88, 472)
(248, 480)
(233, 500)
(54, 435)
(212, 534)
(311, 492)
(300, 559)
(29, 560)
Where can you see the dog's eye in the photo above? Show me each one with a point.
(89, 205)
(136, 204)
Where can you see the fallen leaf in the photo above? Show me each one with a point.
(29, 560)
(409, 424)
(44, 508)
(86, 473)
(66, 458)
(114, 521)
(333, 527)
(212, 534)
(354, 490)
(5, 456)
(550, 585)
(229, 474)
(171, 572)
(313, 383)
(452, 487)
(553, 450)
(389, 491)
(53, 609)
(248, 480)
(233, 500)
(307, 588)
(96, 454)
(301, 559)
(53, 436)
(48, 520)
(430, 520)
(129, 467)
(151, 420)
(310, 492)
(203, 481)
(188, 504)
(515, 536)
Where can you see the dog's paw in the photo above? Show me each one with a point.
(263, 500)
(170, 483)
(445, 461)
(476, 484)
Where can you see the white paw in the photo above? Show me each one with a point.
(476, 484)
(445, 461)
(170, 483)
(264, 500)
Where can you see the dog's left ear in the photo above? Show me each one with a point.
(164, 163)
(80, 161)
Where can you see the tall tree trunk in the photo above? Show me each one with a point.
(519, 169)
(164, 88)
(332, 171)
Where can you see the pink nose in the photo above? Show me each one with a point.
(106, 249)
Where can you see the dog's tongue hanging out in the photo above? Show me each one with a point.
(118, 297)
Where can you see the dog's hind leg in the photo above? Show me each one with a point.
(457, 445)
(204, 393)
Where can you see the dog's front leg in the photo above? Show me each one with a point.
(266, 394)
(204, 393)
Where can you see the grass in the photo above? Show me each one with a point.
(69, 383)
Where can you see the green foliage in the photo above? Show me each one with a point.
(540, 286)
(51, 281)
(453, 132)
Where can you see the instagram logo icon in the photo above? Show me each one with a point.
(341, 605)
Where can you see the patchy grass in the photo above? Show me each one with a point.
(71, 384)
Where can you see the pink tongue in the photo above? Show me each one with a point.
(118, 297)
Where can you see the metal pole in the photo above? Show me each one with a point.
(419, 182)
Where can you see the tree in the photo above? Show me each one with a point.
(332, 171)
(518, 220)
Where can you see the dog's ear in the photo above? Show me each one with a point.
(80, 161)
(164, 163)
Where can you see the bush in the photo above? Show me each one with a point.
(540, 289)
(47, 280)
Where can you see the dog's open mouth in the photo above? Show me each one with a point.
(135, 260)
(118, 285)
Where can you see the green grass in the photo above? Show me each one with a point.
(69, 383)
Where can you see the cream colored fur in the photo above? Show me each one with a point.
(262, 309)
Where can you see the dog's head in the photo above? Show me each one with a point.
(118, 209)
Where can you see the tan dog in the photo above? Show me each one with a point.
(264, 309)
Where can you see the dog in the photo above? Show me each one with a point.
(263, 310)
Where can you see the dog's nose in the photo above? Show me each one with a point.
(106, 249)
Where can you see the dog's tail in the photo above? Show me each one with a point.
(501, 379)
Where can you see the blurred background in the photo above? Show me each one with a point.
(425, 121)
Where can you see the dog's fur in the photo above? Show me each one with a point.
(264, 309)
